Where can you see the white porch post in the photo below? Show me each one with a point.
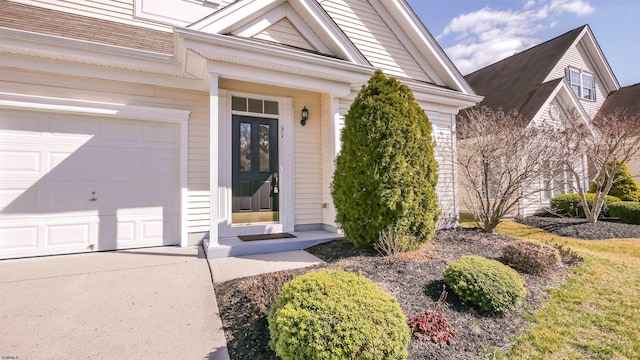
(213, 159)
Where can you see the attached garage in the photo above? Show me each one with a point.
(79, 182)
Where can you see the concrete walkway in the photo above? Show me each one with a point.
(155, 303)
(225, 269)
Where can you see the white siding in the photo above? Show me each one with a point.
(113, 10)
(444, 154)
(577, 58)
(373, 37)
(283, 32)
(110, 91)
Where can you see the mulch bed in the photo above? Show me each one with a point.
(415, 279)
(580, 229)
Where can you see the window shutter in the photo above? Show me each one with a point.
(593, 89)
(567, 75)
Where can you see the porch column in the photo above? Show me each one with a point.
(214, 120)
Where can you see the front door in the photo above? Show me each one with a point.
(255, 170)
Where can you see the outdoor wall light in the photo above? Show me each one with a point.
(305, 116)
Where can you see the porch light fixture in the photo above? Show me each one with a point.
(305, 116)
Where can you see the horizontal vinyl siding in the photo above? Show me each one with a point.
(371, 35)
(444, 154)
(112, 10)
(111, 91)
(283, 32)
(577, 58)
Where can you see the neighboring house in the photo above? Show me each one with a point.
(626, 99)
(545, 82)
(134, 123)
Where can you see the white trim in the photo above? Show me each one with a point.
(65, 105)
(273, 17)
(277, 78)
(214, 187)
(47, 104)
(240, 12)
(433, 53)
(285, 163)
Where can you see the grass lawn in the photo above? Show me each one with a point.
(595, 314)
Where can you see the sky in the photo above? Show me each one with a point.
(477, 33)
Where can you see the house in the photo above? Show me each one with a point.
(135, 123)
(565, 74)
(626, 98)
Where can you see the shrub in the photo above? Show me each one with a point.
(627, 211)
(487, 283)
(531, 257)
(386, 172)
(625, 187)
(391, 242)
(569, 204)
(432, 325)
(337, 315)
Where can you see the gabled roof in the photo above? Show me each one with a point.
(517, 82)
(626, 98)
(51, 22)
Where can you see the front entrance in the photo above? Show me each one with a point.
(255, 179)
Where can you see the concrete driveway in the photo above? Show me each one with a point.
(154, 303)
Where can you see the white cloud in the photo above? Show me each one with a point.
(487, 35)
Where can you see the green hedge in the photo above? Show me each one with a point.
(337, 315)
(569, 204)
(627, 211)
(487, 283)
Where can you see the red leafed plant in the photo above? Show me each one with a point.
(432, 325)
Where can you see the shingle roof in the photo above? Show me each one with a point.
(627, 98)
(58, 23)
(516, 82)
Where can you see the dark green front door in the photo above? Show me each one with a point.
(255, 170)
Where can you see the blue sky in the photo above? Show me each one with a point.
(478, 33)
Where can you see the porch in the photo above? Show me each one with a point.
(233, 246)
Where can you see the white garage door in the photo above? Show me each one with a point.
(71, 183)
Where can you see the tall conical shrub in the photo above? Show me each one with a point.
(386, 173)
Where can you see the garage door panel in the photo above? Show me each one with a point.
(74, 183)
(17, 124)
(77, 128)
(19, 238)
(68, 234)
(20, 161)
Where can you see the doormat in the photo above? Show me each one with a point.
(265, 237)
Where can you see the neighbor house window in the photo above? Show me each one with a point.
(582, 83)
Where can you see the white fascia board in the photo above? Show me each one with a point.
(276, 78)
(439, 95)
(595, 54)
(231, 15)
(63, 67)
(331, 29)
(72, 106)
(417, 31)
(225, 47)
(562, 91)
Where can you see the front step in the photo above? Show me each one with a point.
(233, 246)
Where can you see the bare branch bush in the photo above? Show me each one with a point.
(501, 162)
(608, 142)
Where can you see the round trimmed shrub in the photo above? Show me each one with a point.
(337, 315)
(531, 257)
(569, 204)
(490, 284)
